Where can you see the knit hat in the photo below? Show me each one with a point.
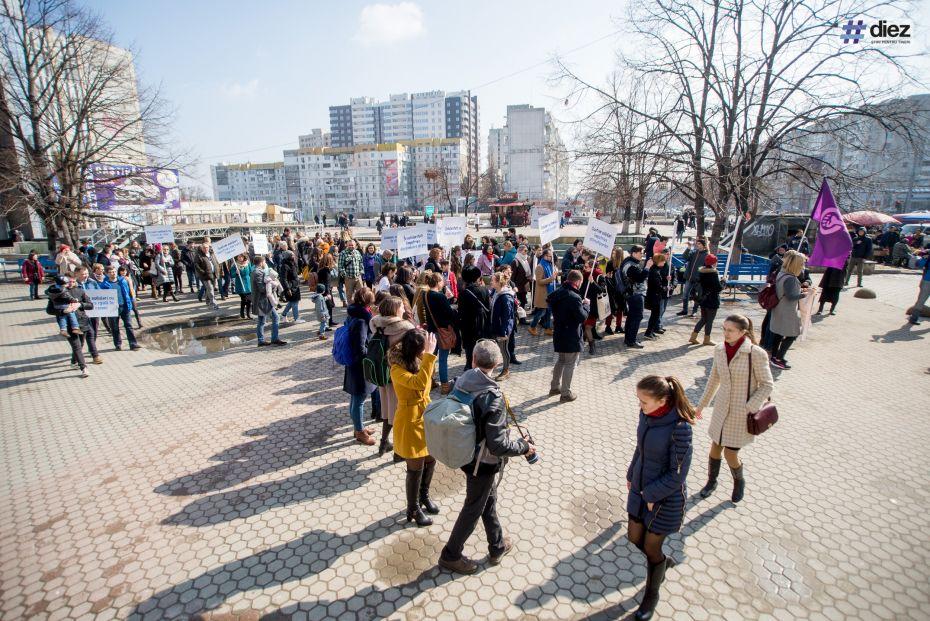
(710, 260)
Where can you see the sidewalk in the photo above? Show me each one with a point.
(227, 486)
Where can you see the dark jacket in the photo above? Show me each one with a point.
(656, 286)
(594, 290)
(474, 313)
(832, 278)
(650, 245)
(290, 278)
(658, 472)
(353, 381)
(861, 247)
(709, 279)
(80, 295)
(490, 423)
(570, 262)
(800, 244)
(438, 309)
(568, 313)
(203, 264)
(503, 314)
(634, 275)
(695, 262)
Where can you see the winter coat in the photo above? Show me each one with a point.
(124, 293)
(490, 416)
(394, 327)
(290, 278)
(353, 379)
(521, 273)
(656, 286)
(67, 262)
(203, 265)
(544, 286)
(695, 263)
(832, 278)
(80, 295)
(474, 313)
(412, 391)
(485, 264)
(727, 389)
(32, 271)
(439, 313)
(503, 311)
(242, 281)
(161, 270)
(786, 318)
(593, 290)
(861, 246)
(658, 472)
(568, 314)
(709, 279)
(634, 275)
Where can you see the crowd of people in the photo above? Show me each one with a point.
(405, 317)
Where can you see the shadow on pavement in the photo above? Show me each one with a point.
(907, 332)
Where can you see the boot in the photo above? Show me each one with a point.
(693, 340)
(362, 437)
(425, 501)
(597, 337)
(591, 348)
(446, 387)
(739, 483)
(608, 331)
(414, 513)
(384, 446)
(655, 576)
(713, 469)
(707, 340)
(533, 331)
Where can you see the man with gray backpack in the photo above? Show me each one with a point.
(491, 447)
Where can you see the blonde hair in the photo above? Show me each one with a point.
(501, 277)
(659, 259)
(793, 262)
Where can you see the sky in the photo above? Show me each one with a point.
(247, 78)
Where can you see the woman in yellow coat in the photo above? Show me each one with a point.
(412, 378)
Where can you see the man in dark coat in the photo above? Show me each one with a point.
(635, 278)
(474, 311)
(695, 262)
(861, 250)
(569, 311)
(76, 340)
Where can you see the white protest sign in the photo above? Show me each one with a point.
(105, 301)
(536, 213)
(411, 242)
(451, 231)
(228, 248)
(260, 244)
(548, 227)
(600, 237)
(389, 239)
(159, 234)
(429, 230)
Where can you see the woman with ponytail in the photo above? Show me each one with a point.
(741, 380)
(656, 477)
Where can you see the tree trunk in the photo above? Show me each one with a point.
(716, 230)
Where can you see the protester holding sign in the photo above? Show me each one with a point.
(207, 268)
(544, 286)
(93, 323)
(242, 285)
(125, 302)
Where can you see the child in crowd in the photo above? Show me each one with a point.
(322, 310)
(60, 300)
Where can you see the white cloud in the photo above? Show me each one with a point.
(389, 23)
(240, 90)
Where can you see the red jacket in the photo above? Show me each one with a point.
(32, 269)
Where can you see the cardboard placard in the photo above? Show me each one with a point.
(548, 227)
(105, 301)
(451, 231)
(260, 244)
(600, 237)
(411, 242)
(228, 248)
(160, 234)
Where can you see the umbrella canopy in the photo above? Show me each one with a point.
(870, 218)
(915, 217)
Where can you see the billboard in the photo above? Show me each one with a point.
(391, 180)
(123, 187)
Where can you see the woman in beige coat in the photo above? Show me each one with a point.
(543, 285)
(390, 319)
(741, 381)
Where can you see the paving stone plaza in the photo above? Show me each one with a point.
(228, 486)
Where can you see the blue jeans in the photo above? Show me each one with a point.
(634, 317)
(67, 321)
(685, 292)
(443, 365)
(33, 289)
(290, 306)
(260, 326)
(541, 313)
(357, 405)
(125, 315)
(192, 279)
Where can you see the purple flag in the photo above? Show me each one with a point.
(833, 243)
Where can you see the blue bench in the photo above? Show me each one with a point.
(750, 272)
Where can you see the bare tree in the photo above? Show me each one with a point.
(71, 100)
(445, 189)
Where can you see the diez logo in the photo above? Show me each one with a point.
(880, 33)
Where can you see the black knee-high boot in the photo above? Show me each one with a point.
(655, 576)
(713, 470)
(384, 446)
(425, 502)
(739, 483)
(414, 513)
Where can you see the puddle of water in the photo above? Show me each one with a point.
(195, 337)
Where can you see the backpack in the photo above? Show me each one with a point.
(451, 435)
(50, 308)
(342, 344)
(375, 365)
(621, 285)
(768, 297)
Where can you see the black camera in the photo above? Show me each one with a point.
(531, 459)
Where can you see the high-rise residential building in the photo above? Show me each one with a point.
(403, 117)
(535, 164)
(497, 149)
(250, 182)
(316, 139)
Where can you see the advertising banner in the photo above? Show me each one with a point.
(450, 231)
(389, 239)
(600, 237)
(159, 234)
(411, 242)
(391, 178)
(548, 227)
(228, 248)
(105, 301)
(260, 244)
(117, 187)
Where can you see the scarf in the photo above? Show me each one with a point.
(660, 412)
(732, 349)
(547, 270)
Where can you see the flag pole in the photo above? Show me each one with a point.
(590, 278)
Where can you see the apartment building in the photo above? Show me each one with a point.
(317, 138)
(250, 182)
(531, 154)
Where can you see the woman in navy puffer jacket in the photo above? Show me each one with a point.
(656, 477)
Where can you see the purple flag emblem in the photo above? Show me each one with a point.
(833, 244)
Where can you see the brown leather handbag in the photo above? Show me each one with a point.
(759, 422)
(445, 335)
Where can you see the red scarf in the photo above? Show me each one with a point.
(661, 411)
(732, 349)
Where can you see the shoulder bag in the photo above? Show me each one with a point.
(447, 338)
(759, 422)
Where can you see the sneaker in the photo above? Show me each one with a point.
(322, 337)
(681, 313)
(785, 362)
(461, 566)
(778, 364)
(568, 397)
(649, 336)
(84, 372)
(118, 348)
(300, 321)
(555, 391)
(502, 376)
(608, 331)
(636, 345)
(279, 342)
(660, 331)
(495, 559)
(263, 343)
